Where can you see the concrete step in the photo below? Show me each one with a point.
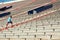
(36, 33)
(45, 37)
(26, 36)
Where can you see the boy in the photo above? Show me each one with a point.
(9, 21)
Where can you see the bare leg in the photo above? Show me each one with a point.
(11, 24)
(7, 24)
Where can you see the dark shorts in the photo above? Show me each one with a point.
(10, 22)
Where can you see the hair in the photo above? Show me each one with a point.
(11, 16)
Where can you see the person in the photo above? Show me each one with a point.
(9, 21)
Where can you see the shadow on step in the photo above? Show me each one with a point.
(40, 9)
(5, 8)
(4, 14)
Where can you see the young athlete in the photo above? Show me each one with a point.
(9, 21)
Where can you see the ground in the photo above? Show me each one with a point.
(42, 26)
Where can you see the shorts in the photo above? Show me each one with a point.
(10, 22)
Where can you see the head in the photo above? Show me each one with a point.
(11, 16)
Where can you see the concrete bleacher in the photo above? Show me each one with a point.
(26, 8)
(28, 15)
(46, 28)
(32, 30)
(21, 8)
